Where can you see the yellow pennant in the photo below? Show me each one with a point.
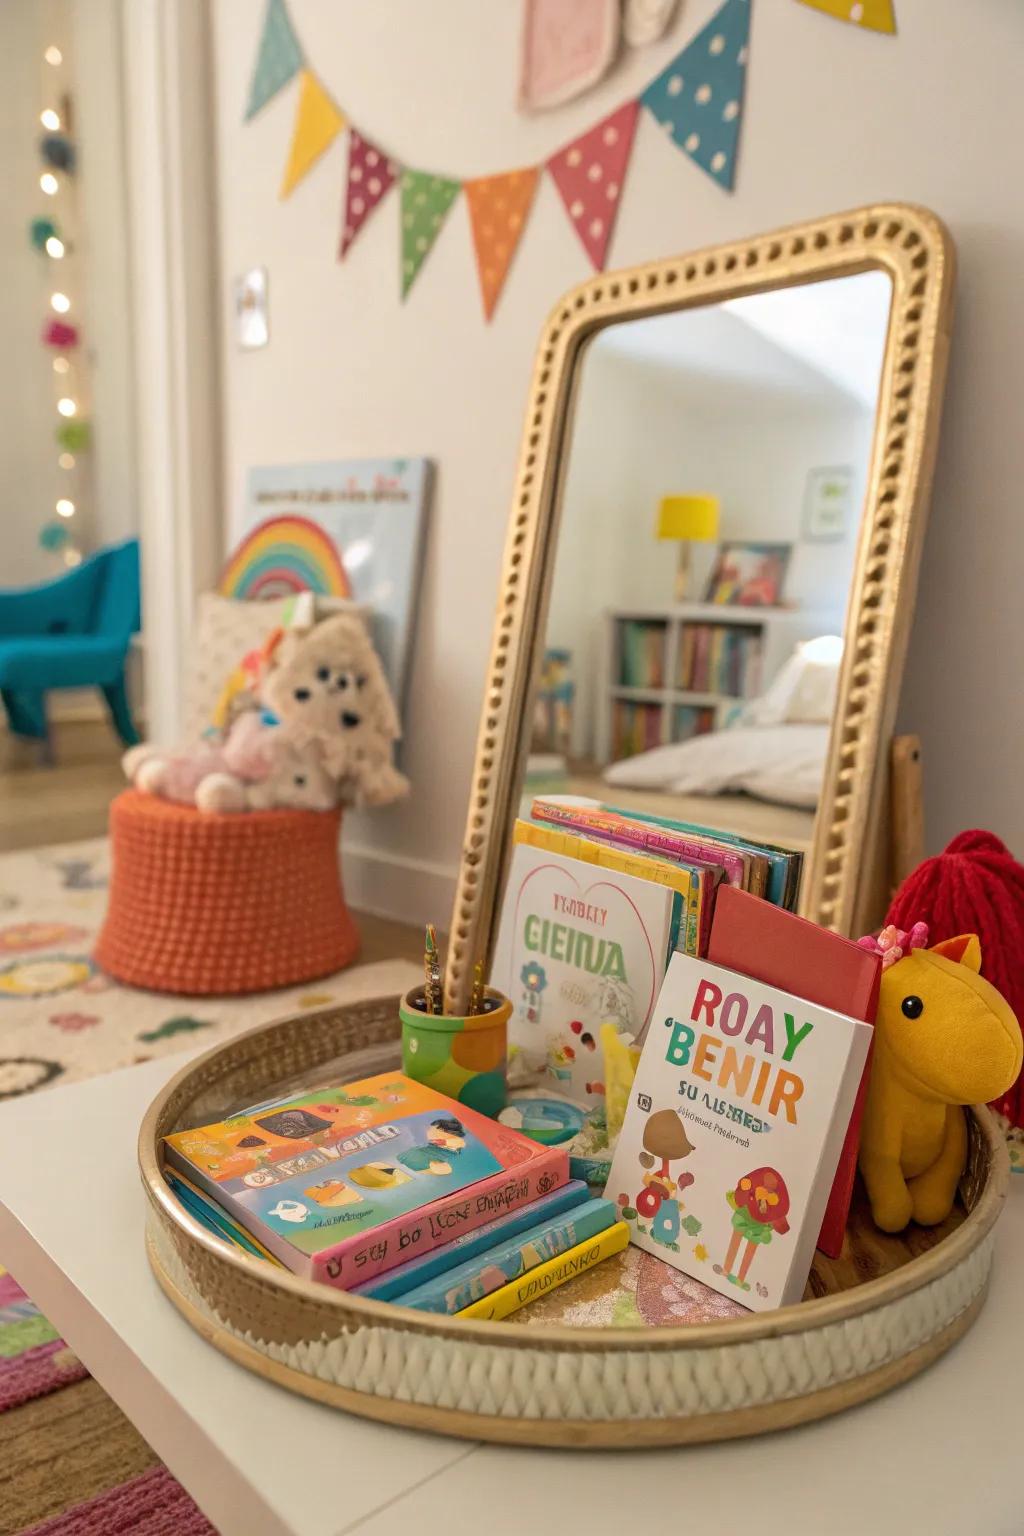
(317, 124)
(876, 14)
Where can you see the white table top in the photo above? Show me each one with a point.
(927, 1458)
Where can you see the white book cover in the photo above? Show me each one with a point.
(734, 1129)
(578, 946)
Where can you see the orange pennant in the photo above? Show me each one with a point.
(498, 209)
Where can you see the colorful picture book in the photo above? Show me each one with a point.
(739, 865)
(584, 938)
(789, 952)
(547, 1277)
(347, 1182)
(397, 1282)
(511, 1260)
(735, 1126)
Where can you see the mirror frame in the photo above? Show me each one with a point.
(845, 883)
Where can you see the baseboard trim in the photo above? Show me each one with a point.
(390, 885)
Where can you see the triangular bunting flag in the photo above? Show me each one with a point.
(876, 14)
(370, 174)
(589, 174)
(317, 124)
(279, 58)
(698, 99)
(498, 206)
(425, 203)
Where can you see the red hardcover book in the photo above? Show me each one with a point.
(750, 935)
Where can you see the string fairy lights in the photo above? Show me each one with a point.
(53, 235)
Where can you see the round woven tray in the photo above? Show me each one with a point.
(547, 1384)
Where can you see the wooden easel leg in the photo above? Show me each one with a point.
(906, 808)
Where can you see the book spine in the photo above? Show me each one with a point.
(372, 1253)
(502, 1263)
(547, 1277)
(394, 1285)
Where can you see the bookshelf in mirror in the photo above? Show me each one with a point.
(671, 673)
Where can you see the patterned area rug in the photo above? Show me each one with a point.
(61, 1020)
(34, 1359)
(150, 1505)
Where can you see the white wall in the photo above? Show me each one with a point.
(835, 117)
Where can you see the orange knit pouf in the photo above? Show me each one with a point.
(203, 903)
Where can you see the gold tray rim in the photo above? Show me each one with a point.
(348, 1310)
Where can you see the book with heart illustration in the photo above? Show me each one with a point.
(585, 935)
(735, 1126)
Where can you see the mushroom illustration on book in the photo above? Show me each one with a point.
(665, 1142)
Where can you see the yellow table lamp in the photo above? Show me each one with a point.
(688, 519)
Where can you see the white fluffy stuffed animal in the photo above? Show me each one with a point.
(321, 729)
(329, 688)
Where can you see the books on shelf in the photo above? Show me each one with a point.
(693, 720)
(642, 653)
(636, 727)
(720, 658)
(345, 1183)
(734, 1130)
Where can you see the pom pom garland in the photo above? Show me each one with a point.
(60, 334)
(975, 886)
(41, 230)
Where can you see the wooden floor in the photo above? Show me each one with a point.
(75, 1444)
(67, 801)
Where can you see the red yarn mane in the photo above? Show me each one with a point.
(975, 886)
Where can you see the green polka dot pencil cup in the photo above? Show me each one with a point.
(464, 1056)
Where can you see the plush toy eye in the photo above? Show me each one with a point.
(323, 673)
(302, 694)
(300, 779)
(343, 681)
(912, 1006)
(361, 682)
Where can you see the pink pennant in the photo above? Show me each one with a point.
(370, 174)
(589, 174)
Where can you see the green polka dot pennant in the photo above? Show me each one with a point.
(425, 203)
(279, 58)
(698, 99)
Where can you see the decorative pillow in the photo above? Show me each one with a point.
(804, 688)
(226, 630)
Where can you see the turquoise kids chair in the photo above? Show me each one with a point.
(71, 633)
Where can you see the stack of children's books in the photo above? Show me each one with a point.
(388, 1189)
(597, 902)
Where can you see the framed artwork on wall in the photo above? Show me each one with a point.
(827, 504)
(748, 575)
(350, 529)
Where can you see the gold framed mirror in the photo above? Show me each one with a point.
(853, 307)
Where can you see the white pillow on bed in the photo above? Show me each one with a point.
(803, 691)
(785, 763)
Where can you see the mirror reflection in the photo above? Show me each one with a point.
(716, 469)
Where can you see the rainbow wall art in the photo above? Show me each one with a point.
(284, 555)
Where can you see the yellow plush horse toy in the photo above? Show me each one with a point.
(944, 1037)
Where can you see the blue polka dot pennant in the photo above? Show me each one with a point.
(698, 99)
(279, 58)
